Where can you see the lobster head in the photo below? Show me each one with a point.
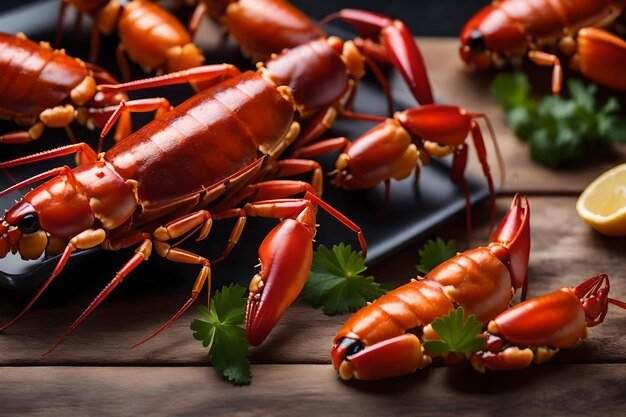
(383, 152)
(43, 221)
(488, 34)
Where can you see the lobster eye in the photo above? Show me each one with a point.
(29, 223)
(351, 346)
(476, 41)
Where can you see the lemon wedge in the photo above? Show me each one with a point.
(603, 203)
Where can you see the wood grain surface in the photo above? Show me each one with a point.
(95, 373)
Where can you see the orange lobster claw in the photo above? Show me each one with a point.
(286, 255)
(392, 357)
(283, 274)
(399, 45)
(514, 234)
(545, 324)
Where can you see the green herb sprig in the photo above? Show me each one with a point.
(222, 332)
(336, 282)
(560, 130)
(458, 335)
(434, 253)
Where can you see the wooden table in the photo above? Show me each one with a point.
(95, 373)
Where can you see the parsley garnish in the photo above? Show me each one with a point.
(434, 253)
(223, 334)
(560, 131)
(457, 335)
(336, 283)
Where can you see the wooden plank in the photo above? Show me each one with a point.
(453, 84)
(565, 251)
(311, 390)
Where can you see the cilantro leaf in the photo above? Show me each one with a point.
(457, 335)
(560, 131)
(335, 282)
(222, 332)
(435, 252)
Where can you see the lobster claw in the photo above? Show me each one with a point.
(285, 254)
(514, 234)
(399, 45)
(392, 357)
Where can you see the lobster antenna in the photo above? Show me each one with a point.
(175, 317)
(492, 134)
(52, 173)
(11, 178)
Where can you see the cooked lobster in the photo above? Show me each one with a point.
(379, 341)
(544, 30)
(192, 165)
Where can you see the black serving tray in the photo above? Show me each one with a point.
(415, 209)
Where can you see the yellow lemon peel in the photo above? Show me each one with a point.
(603, 203)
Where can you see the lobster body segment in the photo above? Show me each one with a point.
(246, 107)
(485, 291)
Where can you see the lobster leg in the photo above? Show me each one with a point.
(59, 24)
(550, 60)
(69, 249)
(23, 136)
(317, 126)
(180, 255)
(444, 128)
(399, 47)
(141, 254)
(290, 167)
(258, 192)
(122, 113)
(189, 223)
(322, 147)
(196, 18)
(203, 73)
(479, 146)
(459, 162)
(85, 240)
(122, 62)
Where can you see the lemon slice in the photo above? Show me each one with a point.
(603, 203)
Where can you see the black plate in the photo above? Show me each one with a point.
(413, 212)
